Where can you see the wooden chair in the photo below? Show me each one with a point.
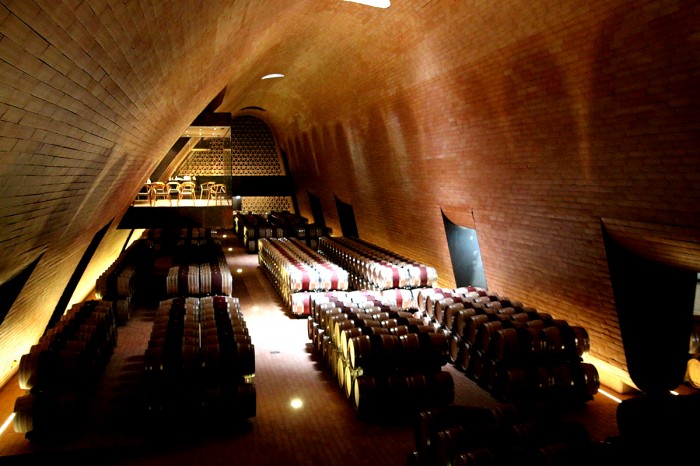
(187, 189)
(205, 188)
(173, 190)
(159, 190)
(144, 193)
(217, 192)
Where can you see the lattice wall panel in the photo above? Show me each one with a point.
(215, 160)
(253, 148)
(262, 204)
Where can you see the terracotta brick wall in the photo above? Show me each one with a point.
(585, 114)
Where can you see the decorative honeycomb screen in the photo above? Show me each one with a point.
(253, 148)
(250, 151)
(261, 204)
(210, 157)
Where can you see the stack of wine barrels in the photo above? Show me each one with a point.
(502, 436)
(513, 351)
(386, 360)
(200, 360)
(60, 372)
(199, 269)
(250, 227)
(118, 282)
(295, 271)
(321, 304)
(435, 301)
(287, 224)
(372, 267)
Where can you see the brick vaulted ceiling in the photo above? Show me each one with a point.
(529, 121)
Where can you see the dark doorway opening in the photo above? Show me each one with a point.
(316, 210)
(346, 216)
(465, 254)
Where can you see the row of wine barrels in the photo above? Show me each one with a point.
(199, 280)
(200, 359)
(61, 371)
(429, 422)
(506, 349)
(181, 340)
(342, 369)
(440, 306)
(374, 395)
(118, 282)
(368, 344)
(47, 414)
(299, 268)
(508, 434)
(524, 344)
(564, 382)
(430, 297)
(357, 298)
(333, 318)
(341, 326)
(386, 353)
(215, 279)
(379, 267)
(297, 273)
(79, 345)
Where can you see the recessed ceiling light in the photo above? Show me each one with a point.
(374, 3)
(273, 75)
(296, 403)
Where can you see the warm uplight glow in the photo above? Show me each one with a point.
(7, 423)
(604, 393)
(230, 249)
(374, 3)
(239, 270)
(296, 403)
(273, 75)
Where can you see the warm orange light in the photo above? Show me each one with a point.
(614, 398)
(7, 423)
